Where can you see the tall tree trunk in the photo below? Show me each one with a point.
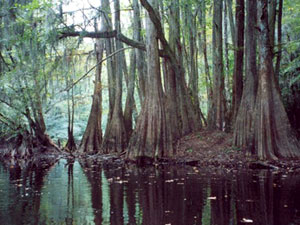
(115, 139)
(231, 21)
(218, 106)
(271, 22)
(279, 36)
(152, 137)
(226, 43)
(129, 105)
(170, 76)
(136, 66)
(237, 86)
(273, 134)
(92, 137)
(111, 64)
(193, 75)
(71, 145)
(202, 19)
(188, 118)
(140, 55)
(244, 124)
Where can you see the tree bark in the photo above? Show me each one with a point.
(152, 137)
(273, 134)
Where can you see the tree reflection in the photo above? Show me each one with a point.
(165, 196)
(115, 175)
(115, 194)
(26, 182)
(93, 172)
(221, 201)
(267, 198)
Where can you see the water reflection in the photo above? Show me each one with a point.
(90, 193)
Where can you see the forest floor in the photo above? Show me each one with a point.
(204, 149)
(213, 149)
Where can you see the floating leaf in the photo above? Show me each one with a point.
(244, 220)
(212, 198)
(169, 181)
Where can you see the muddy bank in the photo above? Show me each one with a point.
(214, 149)
(205, 149)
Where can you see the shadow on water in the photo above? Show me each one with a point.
(86, 192)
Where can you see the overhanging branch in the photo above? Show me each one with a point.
(108, 34)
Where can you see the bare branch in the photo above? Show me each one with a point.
(104, 34)
(109, 56)
(109, 34)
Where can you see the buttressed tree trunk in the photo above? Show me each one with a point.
(115, 139)
(243, 129)
(92, 138)
(273, 134)
(152, 137)
(189, 121)
(218, 104)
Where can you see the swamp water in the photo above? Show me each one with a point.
(89, 193)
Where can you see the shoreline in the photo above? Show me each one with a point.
(204, 149)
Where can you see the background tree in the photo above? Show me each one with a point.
(218, 105)
(237, 85)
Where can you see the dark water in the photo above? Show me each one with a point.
(86, 193)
